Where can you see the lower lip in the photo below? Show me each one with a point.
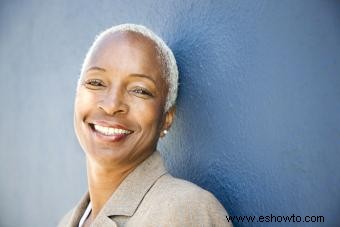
(108, 138)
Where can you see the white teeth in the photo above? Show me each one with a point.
(110, 131)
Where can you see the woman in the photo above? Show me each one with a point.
(124, 104)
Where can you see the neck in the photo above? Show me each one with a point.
(102, 182)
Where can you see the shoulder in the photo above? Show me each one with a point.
(181, 203)
(168, 187)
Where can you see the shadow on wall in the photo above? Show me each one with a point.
(208, 124)
(255, 83)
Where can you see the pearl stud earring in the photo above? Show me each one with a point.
(165, 131)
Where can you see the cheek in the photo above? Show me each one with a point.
(84, 102)
(83, 105)
(150, 117)
(79, 109)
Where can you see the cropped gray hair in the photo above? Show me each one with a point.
(168, 60)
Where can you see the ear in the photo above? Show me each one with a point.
(168, 119)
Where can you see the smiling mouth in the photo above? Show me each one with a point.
(110, 133)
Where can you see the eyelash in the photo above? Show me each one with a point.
(98, 83)
(142, 91)
(95, 83)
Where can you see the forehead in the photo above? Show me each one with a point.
(128, 50)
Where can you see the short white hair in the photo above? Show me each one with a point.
(170, 70)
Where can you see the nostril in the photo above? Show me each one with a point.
(113, 111)
(113, 107)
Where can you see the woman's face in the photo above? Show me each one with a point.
(119, 105)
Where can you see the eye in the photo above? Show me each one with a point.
(94, 84)
(140, 91)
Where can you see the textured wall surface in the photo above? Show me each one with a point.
(258, 120)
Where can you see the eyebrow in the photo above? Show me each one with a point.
(143, 76)
(133, 74)
(95, 68)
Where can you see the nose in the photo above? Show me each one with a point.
(113, 103)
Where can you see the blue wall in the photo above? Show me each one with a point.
(258, 118)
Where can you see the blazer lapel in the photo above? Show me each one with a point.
(127, 197)
(78, 211)
(103, 221)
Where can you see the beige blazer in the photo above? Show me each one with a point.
(149, 196)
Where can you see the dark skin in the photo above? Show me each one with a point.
(122, 87)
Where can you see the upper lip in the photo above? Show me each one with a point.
(110, 124)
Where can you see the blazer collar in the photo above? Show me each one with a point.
(129, 194)
(79, 210)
